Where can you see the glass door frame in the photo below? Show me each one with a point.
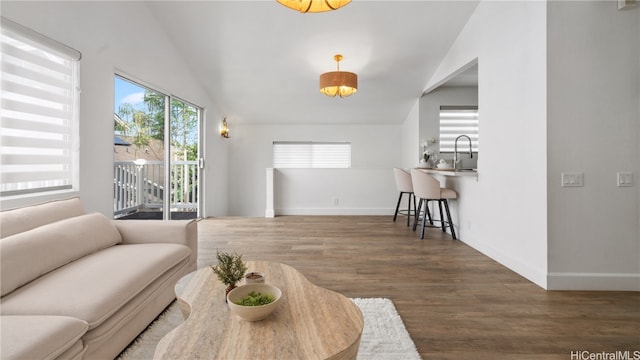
(200, 160)
(168, 98)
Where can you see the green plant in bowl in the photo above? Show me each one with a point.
(258, 293)
(255, 299)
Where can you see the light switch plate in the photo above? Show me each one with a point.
(572, 179)
(625, 178)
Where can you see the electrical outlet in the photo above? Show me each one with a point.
(335, 201)
(625, 178)
(572, 179)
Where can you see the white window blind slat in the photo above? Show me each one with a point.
(27, 96)
(22, 124)
(36, 84)
(35, 107)
(43, 144)
(21, 90)
(456, 121)
(311, 155)
(27, 159)
(50, 79)
(37, 175)
(39, 113)
(30, 55)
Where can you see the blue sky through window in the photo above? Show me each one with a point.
(127, 92)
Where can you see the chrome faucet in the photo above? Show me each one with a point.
(455, 150)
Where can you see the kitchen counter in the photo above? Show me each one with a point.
(450, 172)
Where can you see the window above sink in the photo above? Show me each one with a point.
(456, 121)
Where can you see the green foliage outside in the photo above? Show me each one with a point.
(148, 122)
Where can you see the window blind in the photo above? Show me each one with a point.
(39, 113)
(456, 121)
(296, 154)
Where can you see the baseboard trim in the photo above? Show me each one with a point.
(525, 270)
(594, 281)
(336, 211)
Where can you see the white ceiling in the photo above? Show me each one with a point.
(260, 61)
(468, 77)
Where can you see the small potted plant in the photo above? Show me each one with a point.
(426, 152)
(230, 269)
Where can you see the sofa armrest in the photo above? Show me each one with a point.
(184, 232)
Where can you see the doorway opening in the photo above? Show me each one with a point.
(157, 163)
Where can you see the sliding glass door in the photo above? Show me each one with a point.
(184, 164)
(156, 154)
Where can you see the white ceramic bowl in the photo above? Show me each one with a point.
(444, 166)
(253, 313)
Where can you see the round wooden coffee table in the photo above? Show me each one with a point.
(310, 322)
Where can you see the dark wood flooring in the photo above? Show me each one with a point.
(455, 302)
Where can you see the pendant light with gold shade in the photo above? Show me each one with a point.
(341, 83)
(314, 6)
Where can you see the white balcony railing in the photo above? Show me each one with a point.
(140, 186)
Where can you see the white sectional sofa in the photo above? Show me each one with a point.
(78, 285)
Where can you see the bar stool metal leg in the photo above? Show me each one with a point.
(411, 196)
(424, 220)
(442, 222)
(426, 208)
(416, 212)
(415, 218)
(397, 207)
(446, 207)
(409, 207)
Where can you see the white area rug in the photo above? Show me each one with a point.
(384, 336)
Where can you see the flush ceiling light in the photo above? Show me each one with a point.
(314, 6)
(340, 83)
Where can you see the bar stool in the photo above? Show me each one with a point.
(404, 185)
(427, 188)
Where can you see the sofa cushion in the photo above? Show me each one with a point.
(30, 217)
(94, 287)
(40, 337)
(33, 253)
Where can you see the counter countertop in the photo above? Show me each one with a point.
(450, 172)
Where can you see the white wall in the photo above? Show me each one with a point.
(119, 36)
(593, 119)
(367, 188)
(411, 138)
(503, 213)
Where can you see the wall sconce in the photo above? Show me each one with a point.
(224, 130)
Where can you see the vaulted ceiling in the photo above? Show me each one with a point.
(261, 61)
